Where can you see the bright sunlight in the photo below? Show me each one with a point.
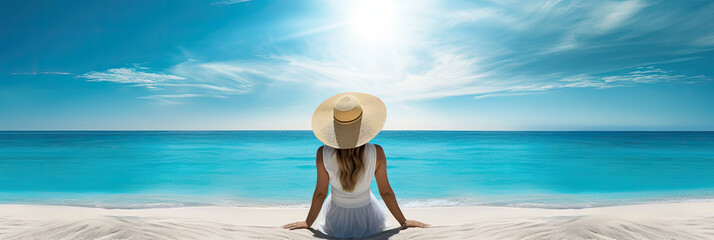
(374, 20)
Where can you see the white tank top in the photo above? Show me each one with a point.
(360, 197)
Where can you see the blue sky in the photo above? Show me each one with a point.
(452, 65)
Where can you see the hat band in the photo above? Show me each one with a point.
(350, 121)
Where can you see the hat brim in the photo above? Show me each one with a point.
(342, 136)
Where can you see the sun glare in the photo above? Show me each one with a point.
(373, 19)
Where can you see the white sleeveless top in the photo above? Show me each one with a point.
(360, 196)
(352, 214)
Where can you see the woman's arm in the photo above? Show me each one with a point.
(318, 197)
(385, 190)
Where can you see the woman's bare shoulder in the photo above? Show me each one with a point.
(380, 154)
(376, 146)
(319, 153)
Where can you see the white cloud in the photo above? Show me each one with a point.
(613, 14)
(223, 78)
(640, 75)
(474, 15)
(129, 75)
(505, 94)
(228, 2)
(189, 79)
(603, 17)
(651, 74)
(449, 74)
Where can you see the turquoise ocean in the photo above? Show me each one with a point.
(146, 169)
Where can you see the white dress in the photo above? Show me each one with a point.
(352, 214)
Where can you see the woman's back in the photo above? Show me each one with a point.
(356, 213)
(360, 195)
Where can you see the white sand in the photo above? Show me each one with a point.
(693, 220)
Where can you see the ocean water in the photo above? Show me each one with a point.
(426, 168)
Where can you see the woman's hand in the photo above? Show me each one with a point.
(415, 223)
(296, 225)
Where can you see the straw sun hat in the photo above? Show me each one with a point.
(348, 120)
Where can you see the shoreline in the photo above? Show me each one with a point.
(139, 201)
(682, 220)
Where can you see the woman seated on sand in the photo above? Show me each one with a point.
(345, 123)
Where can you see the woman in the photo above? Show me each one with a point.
(345, 123)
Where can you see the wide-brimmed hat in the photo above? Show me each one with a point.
(348, 120)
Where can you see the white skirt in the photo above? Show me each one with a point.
(363, 221)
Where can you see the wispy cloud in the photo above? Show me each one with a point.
(455, 75)
(612, 15)
(605, 17)
(130, 75)
(190, 79)
(449, 74)
(222, 78)
(170, 99)
(41, 73)
(228, 2)
(639, 75)
(651, 74)
(506, 94)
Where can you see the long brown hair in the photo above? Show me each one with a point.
(351, 166)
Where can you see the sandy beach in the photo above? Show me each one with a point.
(692, 220)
